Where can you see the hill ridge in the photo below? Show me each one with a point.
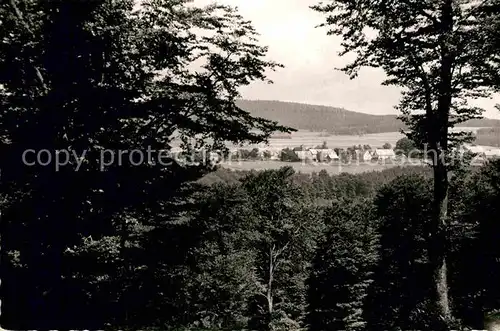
(335, 120)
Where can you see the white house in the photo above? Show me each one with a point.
(328, 154)
(314, 153)
(305, 155)
(384, 154)
(323, 154)
(273, 152)
(367, 156)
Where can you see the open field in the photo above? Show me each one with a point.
(333, 168)
(312, 139)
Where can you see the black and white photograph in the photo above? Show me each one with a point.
(250, 165)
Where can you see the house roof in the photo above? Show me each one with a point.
(324, 151)
(330, 153)
(367, 155)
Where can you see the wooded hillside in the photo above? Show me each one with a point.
(333, 119)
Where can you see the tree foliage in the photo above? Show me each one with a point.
(401, 287)
(342, 268)
(441, 54)
(88, 77)
(135, 245)
(287, 228)
(405, 146)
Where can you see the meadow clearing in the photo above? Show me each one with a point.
(312, 139)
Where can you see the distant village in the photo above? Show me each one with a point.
(316, 154)
(322, 153)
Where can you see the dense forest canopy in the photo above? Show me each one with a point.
(96, 79)
(340, 248)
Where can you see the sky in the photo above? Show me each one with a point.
(310, 57)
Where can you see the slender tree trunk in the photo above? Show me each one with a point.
(269, 294)
(438, 242)
(125, 266)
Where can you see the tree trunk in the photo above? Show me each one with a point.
(125, 267)
(269, 293)
(438, 242)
